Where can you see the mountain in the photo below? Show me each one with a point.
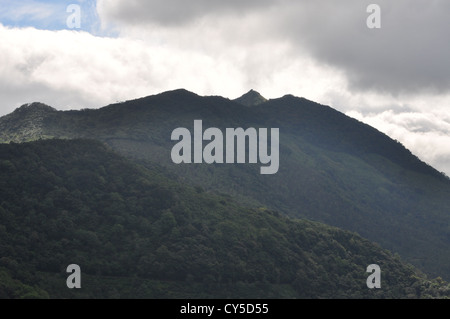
(333, 169)
(251, 98)
(28, 118)
(137, 234)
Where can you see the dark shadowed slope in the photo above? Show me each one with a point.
(333, 168)
(136, 234)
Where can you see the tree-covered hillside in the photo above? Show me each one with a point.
(333, 169)
(136, 234)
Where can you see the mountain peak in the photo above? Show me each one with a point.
(251, 98)
(28, 120)
(35, 107)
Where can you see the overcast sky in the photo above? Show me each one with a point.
(396, 78)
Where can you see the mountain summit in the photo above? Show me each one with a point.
(27, 119)
(251, 98)
(34, 107)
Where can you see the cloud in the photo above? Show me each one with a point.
(408, 55)
(175, 13)
(76, 69)
(68, 69)
(426, 134)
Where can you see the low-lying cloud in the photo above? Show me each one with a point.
(426, 134)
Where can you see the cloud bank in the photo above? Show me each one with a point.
(408, 55)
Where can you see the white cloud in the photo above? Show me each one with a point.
(70, 69)
(426, 134)
(409, 54)
(75, 69)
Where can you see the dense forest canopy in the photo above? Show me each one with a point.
(137, 234)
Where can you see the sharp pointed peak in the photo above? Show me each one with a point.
(251, 98)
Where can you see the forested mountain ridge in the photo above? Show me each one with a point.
(136, 234)
(333, 169)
